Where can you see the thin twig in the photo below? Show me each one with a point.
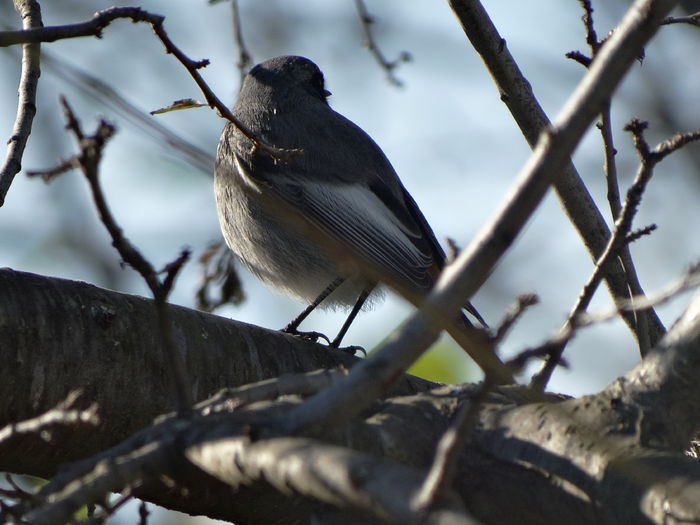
(102, 19)
(605, 125)
(693, 19)
(591, 36)
(641, 322)
(304, 384)
(64, 413)
(244, 59)
(452, 443)
(143, 513)
(444, 466)
(30, 13)
(88, 160)
(690, 280)
(389, 66)
(638, 234)
(649, 159)
(108, 509)
(524, 302)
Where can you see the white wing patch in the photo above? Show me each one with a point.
(243, 174)
(356, 215)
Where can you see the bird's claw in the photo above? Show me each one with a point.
(307, 336)
(353, 349)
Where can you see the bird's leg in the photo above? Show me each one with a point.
(353, 313)
(292, 327)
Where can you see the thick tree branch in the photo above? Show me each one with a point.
(74, 335)
(518, 447)
(335, 475)
(88, 161)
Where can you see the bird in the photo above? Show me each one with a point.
(330, 220)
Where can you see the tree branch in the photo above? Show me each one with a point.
(516, 93)
(26, 104)
(389, 66)
(619, 238)
(521, 447)
(102, 19)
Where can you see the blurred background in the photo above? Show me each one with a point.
(451, 140)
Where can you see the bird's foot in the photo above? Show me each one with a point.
(352, 350)
(307, 336)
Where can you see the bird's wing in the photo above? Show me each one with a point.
(355, 217)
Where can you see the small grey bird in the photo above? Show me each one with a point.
(324, 225)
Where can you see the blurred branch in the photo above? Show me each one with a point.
(30, 12)
(64, 413)
(517, 94)
(244, 59)
(102, 19)
(98, 89)
(217, 264)
(523, 303)
(693, 19)
(389, 66)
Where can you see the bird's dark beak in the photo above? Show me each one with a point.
(326, 93)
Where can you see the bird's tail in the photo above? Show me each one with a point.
(469, 307)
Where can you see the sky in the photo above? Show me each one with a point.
(449, 137)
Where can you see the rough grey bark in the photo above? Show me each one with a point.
(58, 335)
(614, 457)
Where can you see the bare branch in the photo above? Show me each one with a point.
(389, 66)
(88, 160)
(642, 321)
(244, 59)
(102, 19)
(30, 12)
(305, 385)
(638, 234)
(444, 467)
(690, 280)
(337, 476)
(613, 195)
(517, 94)
(693, 19)
(64, 414)
(621, 232)
(512, 316)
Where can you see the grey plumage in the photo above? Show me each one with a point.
(342, 184)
